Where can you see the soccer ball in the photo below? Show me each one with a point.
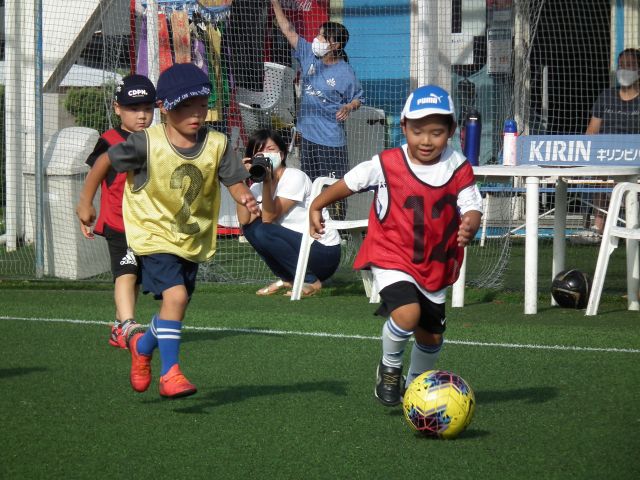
(570, 289)
(439, 404)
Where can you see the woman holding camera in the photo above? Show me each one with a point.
(284, 195)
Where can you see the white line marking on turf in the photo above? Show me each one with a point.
(259, 331)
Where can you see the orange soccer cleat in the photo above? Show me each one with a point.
(140, 375)
(174, 384)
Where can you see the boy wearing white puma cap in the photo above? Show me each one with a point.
(426, 209)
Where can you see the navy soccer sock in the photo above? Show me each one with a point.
(169, 334)
(149, 341)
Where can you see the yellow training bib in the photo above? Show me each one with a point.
(176, 210)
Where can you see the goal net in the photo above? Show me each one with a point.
(538, 62)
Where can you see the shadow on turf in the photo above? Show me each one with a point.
(530, 395)
(239, 393)
(208, 335)
(480, 297)
(15, 372)
(468, 434)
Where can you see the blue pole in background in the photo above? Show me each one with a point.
(619, 19)
(39, 128)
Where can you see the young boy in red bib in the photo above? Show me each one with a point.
(134, 102)
(171, 207)
(427, 207)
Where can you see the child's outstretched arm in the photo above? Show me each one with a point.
(332, 194)
(243, 196)
(85, 211)
(468, 227)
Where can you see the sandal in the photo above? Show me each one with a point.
(275, 287)
(308, 290)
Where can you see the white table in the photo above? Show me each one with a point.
(532, 176)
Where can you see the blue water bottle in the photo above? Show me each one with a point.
(471, 136)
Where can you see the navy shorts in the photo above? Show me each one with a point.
(162, 271)
(123, 260)
(322, 161)
(432, 316)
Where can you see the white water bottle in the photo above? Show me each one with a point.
(509, 143)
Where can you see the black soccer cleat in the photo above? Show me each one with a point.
(389, 385)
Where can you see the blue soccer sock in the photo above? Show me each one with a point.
(149, 341)
(394, 340)
(423, 358)
(169, 334)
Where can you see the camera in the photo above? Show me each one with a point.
(260, 165)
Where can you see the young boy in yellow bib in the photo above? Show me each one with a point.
(170, 209)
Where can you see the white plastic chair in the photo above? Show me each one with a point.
(610, 237)
(356, 227)
(365, 130)
(274, 104)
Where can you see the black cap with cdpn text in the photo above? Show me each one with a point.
(134, 89)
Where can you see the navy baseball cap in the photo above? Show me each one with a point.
(182, 81)
(428, 100)
(134, 89)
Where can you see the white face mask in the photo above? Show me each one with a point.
(319, 49)
(276, 159)
(626, 77)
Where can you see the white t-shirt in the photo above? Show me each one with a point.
(367, 175)
(295, 185)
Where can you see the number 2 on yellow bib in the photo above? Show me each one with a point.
(195, 184)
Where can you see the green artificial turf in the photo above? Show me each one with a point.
(286, 390)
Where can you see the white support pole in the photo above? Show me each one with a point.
(153, 54)
(457, 292)
(521, 89)
(559, 227)
(444, 44)
(485, 216)
(531, 247)
(430, 40)
(14, 139)
(631, 18)
(28, 118)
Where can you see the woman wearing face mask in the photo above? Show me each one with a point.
(284, 196)
(617, 111)
(330, 92)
